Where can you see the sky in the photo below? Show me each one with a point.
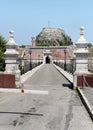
(27, 18)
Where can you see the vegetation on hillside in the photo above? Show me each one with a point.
(53, 37)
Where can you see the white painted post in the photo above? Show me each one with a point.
(11, 61)
(82, 54)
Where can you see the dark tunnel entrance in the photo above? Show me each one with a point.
(47, 60)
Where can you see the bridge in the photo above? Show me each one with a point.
(61, 109)
(45, 98)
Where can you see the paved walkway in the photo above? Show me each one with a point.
(62, 108)
(86, 93)
(89, 94)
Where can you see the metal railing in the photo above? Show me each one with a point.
(28, 66)
(69, 66)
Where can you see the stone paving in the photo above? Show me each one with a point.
(86, 93)
(61, 109)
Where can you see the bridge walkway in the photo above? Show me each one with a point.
(61, 109)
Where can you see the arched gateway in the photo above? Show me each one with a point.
(47, 60)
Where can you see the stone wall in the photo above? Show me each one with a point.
(7, 80)
(85, 80)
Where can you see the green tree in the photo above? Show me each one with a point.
(90, 45)
(2, 50)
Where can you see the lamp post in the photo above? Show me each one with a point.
(38, 59)
(30, 59)
(23, 64)
(64, 58)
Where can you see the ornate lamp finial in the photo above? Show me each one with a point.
(82, 41)
(11, 34)
(81, 30)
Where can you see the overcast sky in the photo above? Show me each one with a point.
(28, 17)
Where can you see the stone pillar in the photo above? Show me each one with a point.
(11, 54)
(81, 54)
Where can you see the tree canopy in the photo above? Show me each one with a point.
(53, 37)
(2, 50)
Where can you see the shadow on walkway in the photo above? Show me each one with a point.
(70, 86)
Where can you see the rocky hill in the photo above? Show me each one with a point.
(53, 37)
